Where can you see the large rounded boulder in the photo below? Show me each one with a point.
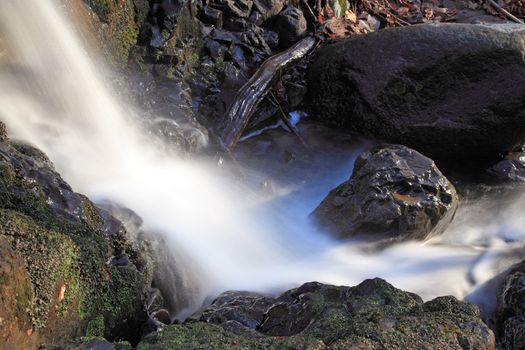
(394, 193)
(451, 91)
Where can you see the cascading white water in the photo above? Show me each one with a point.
(52, 96)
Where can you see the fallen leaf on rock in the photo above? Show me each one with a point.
(404, 197)
(62, 293)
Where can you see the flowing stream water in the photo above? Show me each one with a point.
(225, 235)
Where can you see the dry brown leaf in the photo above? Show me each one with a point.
(351, 16)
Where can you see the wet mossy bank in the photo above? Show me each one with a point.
(57, 282)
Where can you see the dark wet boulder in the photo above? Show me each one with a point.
(372, 315)
(450, 91)
(245, 308)
(510, 312)
(508, 170)
(394, 193)
(291, 26)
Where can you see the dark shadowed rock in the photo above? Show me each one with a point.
(448, 90)
(510, 313)
(394, 193)
(240, 8)
(269, 8)
(211, 16)
(291, 26)
(372, 315)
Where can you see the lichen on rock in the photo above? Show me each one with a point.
(371, 315)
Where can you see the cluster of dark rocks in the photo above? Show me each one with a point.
(214, 47)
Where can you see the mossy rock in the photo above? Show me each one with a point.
(16, 296)
(372, 315)
(124, 19)
(207, 336)
(62, 244)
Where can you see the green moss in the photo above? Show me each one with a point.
(206, 336)
(124, 19)
(95, 327)
(51, 258)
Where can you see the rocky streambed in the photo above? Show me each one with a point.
(435, 110)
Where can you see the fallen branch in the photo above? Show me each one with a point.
(230, 127)
(505, 12)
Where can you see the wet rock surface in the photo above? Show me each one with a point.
(450, 91)
(394, 193)
(244, 308)
(510, 170)
(319, 316)
(510, 313)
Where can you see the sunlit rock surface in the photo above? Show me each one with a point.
(109, 26)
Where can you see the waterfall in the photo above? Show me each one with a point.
(224, 235)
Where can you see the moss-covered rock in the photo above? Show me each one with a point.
(372, 315)
(62, 243)
(124, 19)
(16, 296)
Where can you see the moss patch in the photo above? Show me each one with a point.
(124, 19)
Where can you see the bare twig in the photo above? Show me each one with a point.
(505, 12)
(286, 120)
(384, 11)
